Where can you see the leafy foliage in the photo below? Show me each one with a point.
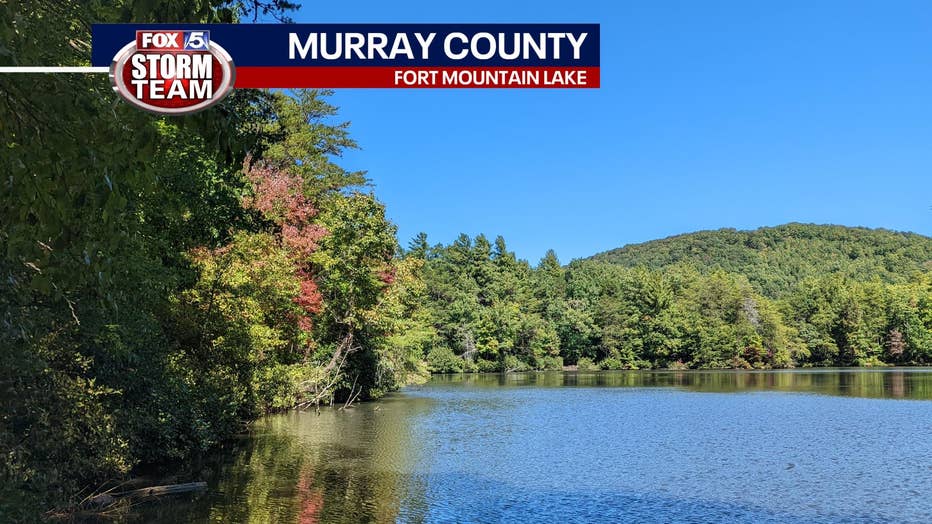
(776, 259)
(496, 313)
(155, 294)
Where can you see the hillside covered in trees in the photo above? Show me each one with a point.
(710, 300)
(776, 259)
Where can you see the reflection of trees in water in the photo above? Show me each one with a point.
(310, 499)
(881, 383)
(258, 480)
(897, 384)
(355, 465)
(341, 466)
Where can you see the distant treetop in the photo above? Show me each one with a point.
(776, 259)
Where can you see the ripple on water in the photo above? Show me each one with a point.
(822, 447)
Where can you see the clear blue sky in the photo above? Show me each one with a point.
(712, 114)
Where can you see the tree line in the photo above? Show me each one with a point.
(488, 311)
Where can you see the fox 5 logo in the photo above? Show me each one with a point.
(173, 40)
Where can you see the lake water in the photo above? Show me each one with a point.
(755, 447)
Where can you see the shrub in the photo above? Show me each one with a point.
(870, 362)
(513, 363)
(441, 359)
(550, 363)
(586, 364)
(614, 363)
(487, 366)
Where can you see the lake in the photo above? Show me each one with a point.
(827, 445)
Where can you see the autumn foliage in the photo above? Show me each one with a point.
(278, 195)
(155, 296)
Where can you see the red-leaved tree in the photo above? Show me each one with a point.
(278, 195)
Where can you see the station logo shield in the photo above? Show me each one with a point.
(172, 72)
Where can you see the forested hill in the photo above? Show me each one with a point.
(775, 259)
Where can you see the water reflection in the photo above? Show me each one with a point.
(902, 383)
(609, 446)
(339, 466)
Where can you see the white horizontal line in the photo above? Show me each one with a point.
(43, 69)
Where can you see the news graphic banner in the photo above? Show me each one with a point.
(182, 68)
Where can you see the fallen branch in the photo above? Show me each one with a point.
(321, 393)
(352, 397)
(333, 372)
(110, 500)
(345, 345)
(156, 491)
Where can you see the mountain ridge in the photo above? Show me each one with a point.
(777, 258)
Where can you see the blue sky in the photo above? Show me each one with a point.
(711, 114)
